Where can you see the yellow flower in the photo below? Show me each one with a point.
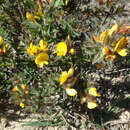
(42, 59)
(70, 72)
(43, 45)
(109, 54)
(21, 105)
(92, 105)
(24, 87)
(68, 38)
(29, 16)
(71, 51)
(83, 100)
(39, 11)
(5, 48)
(106, 34)
(26, 92)
(68, 42)
(114, 29)
(61, 49)
(101, 37)
(36, 17)
(93, 92)
(15, 88)
(106, 50)
(110, 57)
(1, 40)
(32, 49)
(120, 46)
(65, 75)
(66, 2)
(71, 91)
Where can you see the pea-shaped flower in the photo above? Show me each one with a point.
(61, 49)
(42, 59)
(32, 50)
(93, 92)
(92, 105)
(71, 91)
(65, 75)
(1, 40)
(68, 82)
(120, 46)
(102, 38)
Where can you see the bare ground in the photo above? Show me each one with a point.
(13, 118)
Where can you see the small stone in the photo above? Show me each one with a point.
(4, 122)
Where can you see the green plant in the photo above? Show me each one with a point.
(51, 46)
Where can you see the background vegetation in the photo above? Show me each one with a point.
(32, 87)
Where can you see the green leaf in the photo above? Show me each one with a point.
(58, 3)
(42, 123)
(98, 58)
(39, 123)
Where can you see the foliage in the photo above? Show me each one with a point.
(51, 45)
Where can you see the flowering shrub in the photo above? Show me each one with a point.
(53, 44)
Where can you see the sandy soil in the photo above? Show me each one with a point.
(13, 119)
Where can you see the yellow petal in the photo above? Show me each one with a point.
(61, 49)
(5, 48)
(110, 57)
(31, 45)
(93, 92)
(104, 35)
(29, 16)
(66, 2)
(70, 72)
(114, 29)
(83, 100)
(121, 43)
(43, 45)
(26, 92)
(101, 37)
(106, 50)
(42, 59)
(24, 87)
(71, 91)
(15, 88)
(71, 51)
(68, 38)
(32, 49)
(21, 105)
(1, 40)
(37, 17)
(92, 105)
(39, 11)
(43, 63)
(63, 77)
(122, 52)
